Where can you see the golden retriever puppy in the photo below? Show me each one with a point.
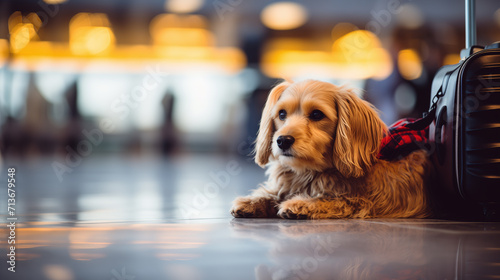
(320, 143)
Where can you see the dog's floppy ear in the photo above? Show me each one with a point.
(266, 128)
(358, 135)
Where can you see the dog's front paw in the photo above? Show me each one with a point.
(294, 209)
(251, 207)
(289, 214)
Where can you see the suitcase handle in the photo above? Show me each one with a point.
(440, 123)
(470, 23)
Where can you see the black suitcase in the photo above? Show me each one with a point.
(465, 136)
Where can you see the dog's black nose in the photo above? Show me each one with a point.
(285, 142)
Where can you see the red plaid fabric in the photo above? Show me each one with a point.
(401, 140)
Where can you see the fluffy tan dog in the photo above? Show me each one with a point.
(320, 143)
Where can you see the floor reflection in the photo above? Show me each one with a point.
(168, 219)
(95, 251)
(258, 249)
(353, 249)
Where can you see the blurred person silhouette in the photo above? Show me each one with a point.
(39, 134)
(254, 104)
(73, 129)
(13, 138)
(168, 133)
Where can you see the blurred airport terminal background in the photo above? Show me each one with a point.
(146, 77)
(127, 126)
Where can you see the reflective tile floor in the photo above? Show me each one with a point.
(125, 218)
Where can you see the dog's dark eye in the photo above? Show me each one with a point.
(316, 115)
(282, 115)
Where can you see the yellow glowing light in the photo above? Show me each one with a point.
(86, 19)
(375, 64)
(91, 40)
(34, 19)
(15, 19)
(90, 34)
(23, 30)
(288, 63)
(360, 55)
(382, 64)
(356, 46)
(452, 58)
(180, 21)
(180, 43)
(356, 55)
(284, 16)
(183, 6)
(4, 51)
(409, 64)
(99, 39)
(341, 29)
(21, 36)
(180, 30)
(184, 37)
(230, 59)
(54, 2)
(41, 50)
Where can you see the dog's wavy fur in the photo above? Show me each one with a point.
(333, 170)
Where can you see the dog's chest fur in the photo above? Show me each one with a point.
(328, 183)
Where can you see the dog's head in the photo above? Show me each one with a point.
(314, 125)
